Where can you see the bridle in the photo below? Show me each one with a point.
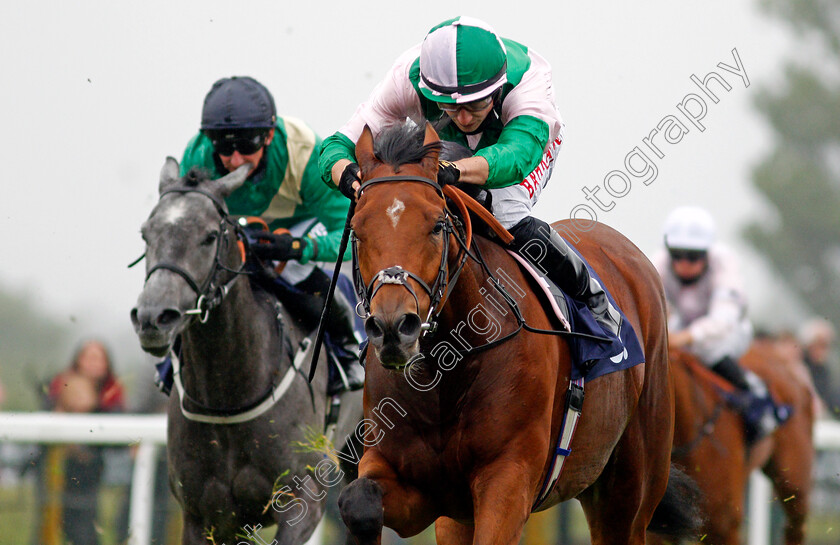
(443, 283)
(209, 294)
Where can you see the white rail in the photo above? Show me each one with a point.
(146, 431)
(149, 433)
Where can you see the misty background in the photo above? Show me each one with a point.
(96, 94)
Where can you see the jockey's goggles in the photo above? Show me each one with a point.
(245, 142)
(687, 255)
(473, 107)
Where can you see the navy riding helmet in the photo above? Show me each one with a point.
(239, 102)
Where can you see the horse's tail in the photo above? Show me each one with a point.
(678, 514)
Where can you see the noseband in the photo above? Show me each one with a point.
(209, 294)
(396, 275)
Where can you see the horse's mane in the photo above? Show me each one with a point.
(403, 144)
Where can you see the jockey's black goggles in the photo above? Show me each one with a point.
(246, 142)
(687, 255)
(473, 107)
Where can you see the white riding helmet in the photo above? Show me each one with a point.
(689, 228)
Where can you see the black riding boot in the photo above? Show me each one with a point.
(755, 404)
(537, 242)
(349, 374)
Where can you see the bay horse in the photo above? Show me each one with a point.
(709, 441)
(475, 430)
(243, 409)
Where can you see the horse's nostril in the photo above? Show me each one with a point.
(168, 317)
(134, 320)
(409, 327)
(374, 329)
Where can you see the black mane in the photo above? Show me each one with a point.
(403, 144)
(195, 177)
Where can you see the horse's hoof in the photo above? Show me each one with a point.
(360, 504)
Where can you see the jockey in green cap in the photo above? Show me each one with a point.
(239, 125)
(494, 96)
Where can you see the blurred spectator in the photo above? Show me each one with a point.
(71, 474)
(93, 361)
(816, 337)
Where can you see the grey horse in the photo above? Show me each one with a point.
(245, 429)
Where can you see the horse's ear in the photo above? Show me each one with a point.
(430, 160)
(169, 174)
(231, 182)
(364, 151)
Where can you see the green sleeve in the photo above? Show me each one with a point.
(199, 153)
(335, 147)
(517, 152)
(330, 207)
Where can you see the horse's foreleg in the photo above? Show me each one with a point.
(451, 532)
(378, 498)
(193, 533)
(502, 502)
(790, 470)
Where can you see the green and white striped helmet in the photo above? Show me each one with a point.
(462, 60)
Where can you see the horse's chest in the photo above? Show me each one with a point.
(223, 471)
(429, 460)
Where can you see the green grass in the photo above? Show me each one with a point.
(18, 514)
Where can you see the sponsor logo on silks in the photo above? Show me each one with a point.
(620, 356)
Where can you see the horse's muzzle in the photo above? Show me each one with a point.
(155, 327)
(395, 340)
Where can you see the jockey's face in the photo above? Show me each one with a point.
(469, 117)
(689, 269)
(237, 159)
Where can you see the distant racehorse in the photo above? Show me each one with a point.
(480, 419)
(709, 442)
(243, 410)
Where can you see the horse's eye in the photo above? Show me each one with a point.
(438, 228)
(210, 238)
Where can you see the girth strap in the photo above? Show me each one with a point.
(574, 407)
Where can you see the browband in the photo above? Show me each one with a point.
(383, 179)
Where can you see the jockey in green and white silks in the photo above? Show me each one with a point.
(240, 125)
(499, 100)
(519, 138)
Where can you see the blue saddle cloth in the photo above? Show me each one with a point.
(592, 358)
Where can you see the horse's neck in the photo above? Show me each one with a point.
(229, 360)
(476, 294)
(475, 313)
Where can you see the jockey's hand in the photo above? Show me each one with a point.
(679, 339)
(277, 247)
(350, 181)
(448, 173)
